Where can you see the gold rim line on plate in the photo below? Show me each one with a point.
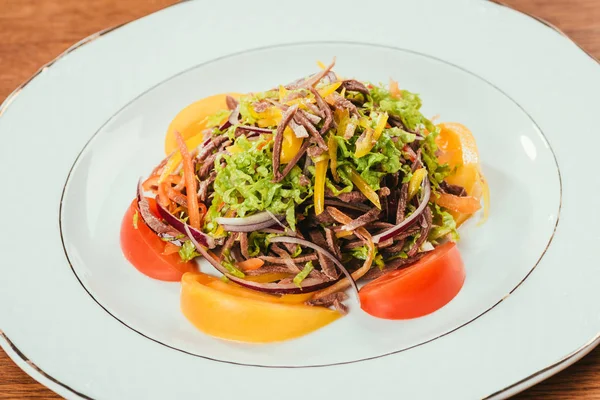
(568, 359)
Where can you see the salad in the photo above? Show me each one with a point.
(296, 195)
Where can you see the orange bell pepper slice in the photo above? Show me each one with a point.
(462, 205)
(229, 312)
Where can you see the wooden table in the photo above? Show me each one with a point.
(33, 32)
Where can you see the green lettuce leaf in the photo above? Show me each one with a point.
(188, 252)
(303, 274)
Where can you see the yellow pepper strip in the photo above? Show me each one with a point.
(268, 278)
(290, 146)
(175, 159)
(270, 117)
(282, 93)
(319, 189)
(341, 234)
(415, 182)
(364, 144)
(234, 149)
(230, 312)
(365, 189)
(321, 65)
(332, 144)
(329, 89)
(381, 122)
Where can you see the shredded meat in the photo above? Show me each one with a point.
(244, 244)
(352, 197)
(153, 222)
(333, 299)
(315, 151)
(278, 139)
(231, 102)
(370, 216)
(315, 110)
(293, 162)
(400, 213)
(204, 185)
(384, 192)
(299, 130)
(208, 148)
(229, 243)
(314, 119)
(343, 103)
(332, 243)
(426, 221)
(327, 266)
(261, 106)
(297, 260)
(268, 269)
(316, 136)
(455, 190)
(207, 165)
(355, 86)
(324, 107)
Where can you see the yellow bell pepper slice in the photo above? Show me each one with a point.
(332, 144)
(319, 189)
(290, 146)
(270, 117)
(235, 313)
(364, 144)
(415, 182)
(365, 189)
(192, 120)
(329, 89)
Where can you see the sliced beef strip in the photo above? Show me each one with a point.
(332, 243)
(231, 102)
(327, 266)
(278, 139)
(355, 86)
(426, 221)
(455, 190)
(333, 299)
(297, 260)
(244, 244)
(370, 216)
(352, 197)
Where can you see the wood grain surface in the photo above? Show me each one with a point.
(33, 32)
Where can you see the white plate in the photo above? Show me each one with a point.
(88, 126)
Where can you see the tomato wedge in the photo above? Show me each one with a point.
(142, 248)
(418, 290)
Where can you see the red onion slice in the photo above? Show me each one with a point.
(306, 243)
(307, 285)
(257, 218)
(248, 227)
(182, 227)
(253, 129)
(390, 233)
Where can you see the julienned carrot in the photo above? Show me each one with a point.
(154, 180)
(190, 182)
(162, 195)
(203, 211)
(250, 264)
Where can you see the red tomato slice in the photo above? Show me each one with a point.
(418, 290)
(142, 248)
